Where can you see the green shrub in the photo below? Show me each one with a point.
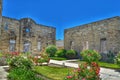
(20, 62)
(108, 57)
(21, 69)
(70, 54)
(1, 54)
(90, 56)
(61, 53)
(51, 50)
(117, 59)
(22, 74)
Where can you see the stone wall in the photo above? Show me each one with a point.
(8, 25)
(103, 36)
(26, 34)
(40, 34)
(60, 44)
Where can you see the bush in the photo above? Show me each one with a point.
(70, 54)
(22, 74)
(117, 59)
(1, 54)
(90, 56)
(108, 57)
(61, 53)
(51, 50)
(20, 62)
(2, 59)
(21, 69)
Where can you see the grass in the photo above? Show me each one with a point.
(58, 58)
(105, 65)
(109, 65)
(54, 73)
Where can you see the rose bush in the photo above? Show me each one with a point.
(89, 70)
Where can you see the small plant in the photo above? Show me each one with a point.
(2, 59)
(61, 53)
(70, 54)
(1, 54)
(117, 59)
(108, 57)
(51, 50)
(111, 57)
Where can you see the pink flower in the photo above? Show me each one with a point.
(83, 79)
(78, 69)
(69, 77)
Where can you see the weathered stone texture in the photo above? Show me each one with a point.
(38, 33)
(104, 33)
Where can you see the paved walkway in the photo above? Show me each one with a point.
(3, 73)
(105, 74)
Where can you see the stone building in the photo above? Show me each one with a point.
(24, 35)
(103, 36)
(60, 44)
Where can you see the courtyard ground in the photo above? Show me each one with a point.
(105, 74)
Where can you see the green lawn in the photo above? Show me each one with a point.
(106, 65)
(54, 73)
(109, 65)
(58, 58)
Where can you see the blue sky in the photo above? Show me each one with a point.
(62, 14)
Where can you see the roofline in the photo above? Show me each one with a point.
(83, 25)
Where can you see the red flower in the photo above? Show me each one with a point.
(69, 77)
(97, 71)
(14, 53)
(78, 69)
(94, 64)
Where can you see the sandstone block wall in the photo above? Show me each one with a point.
(38, 33)
(103, 36)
